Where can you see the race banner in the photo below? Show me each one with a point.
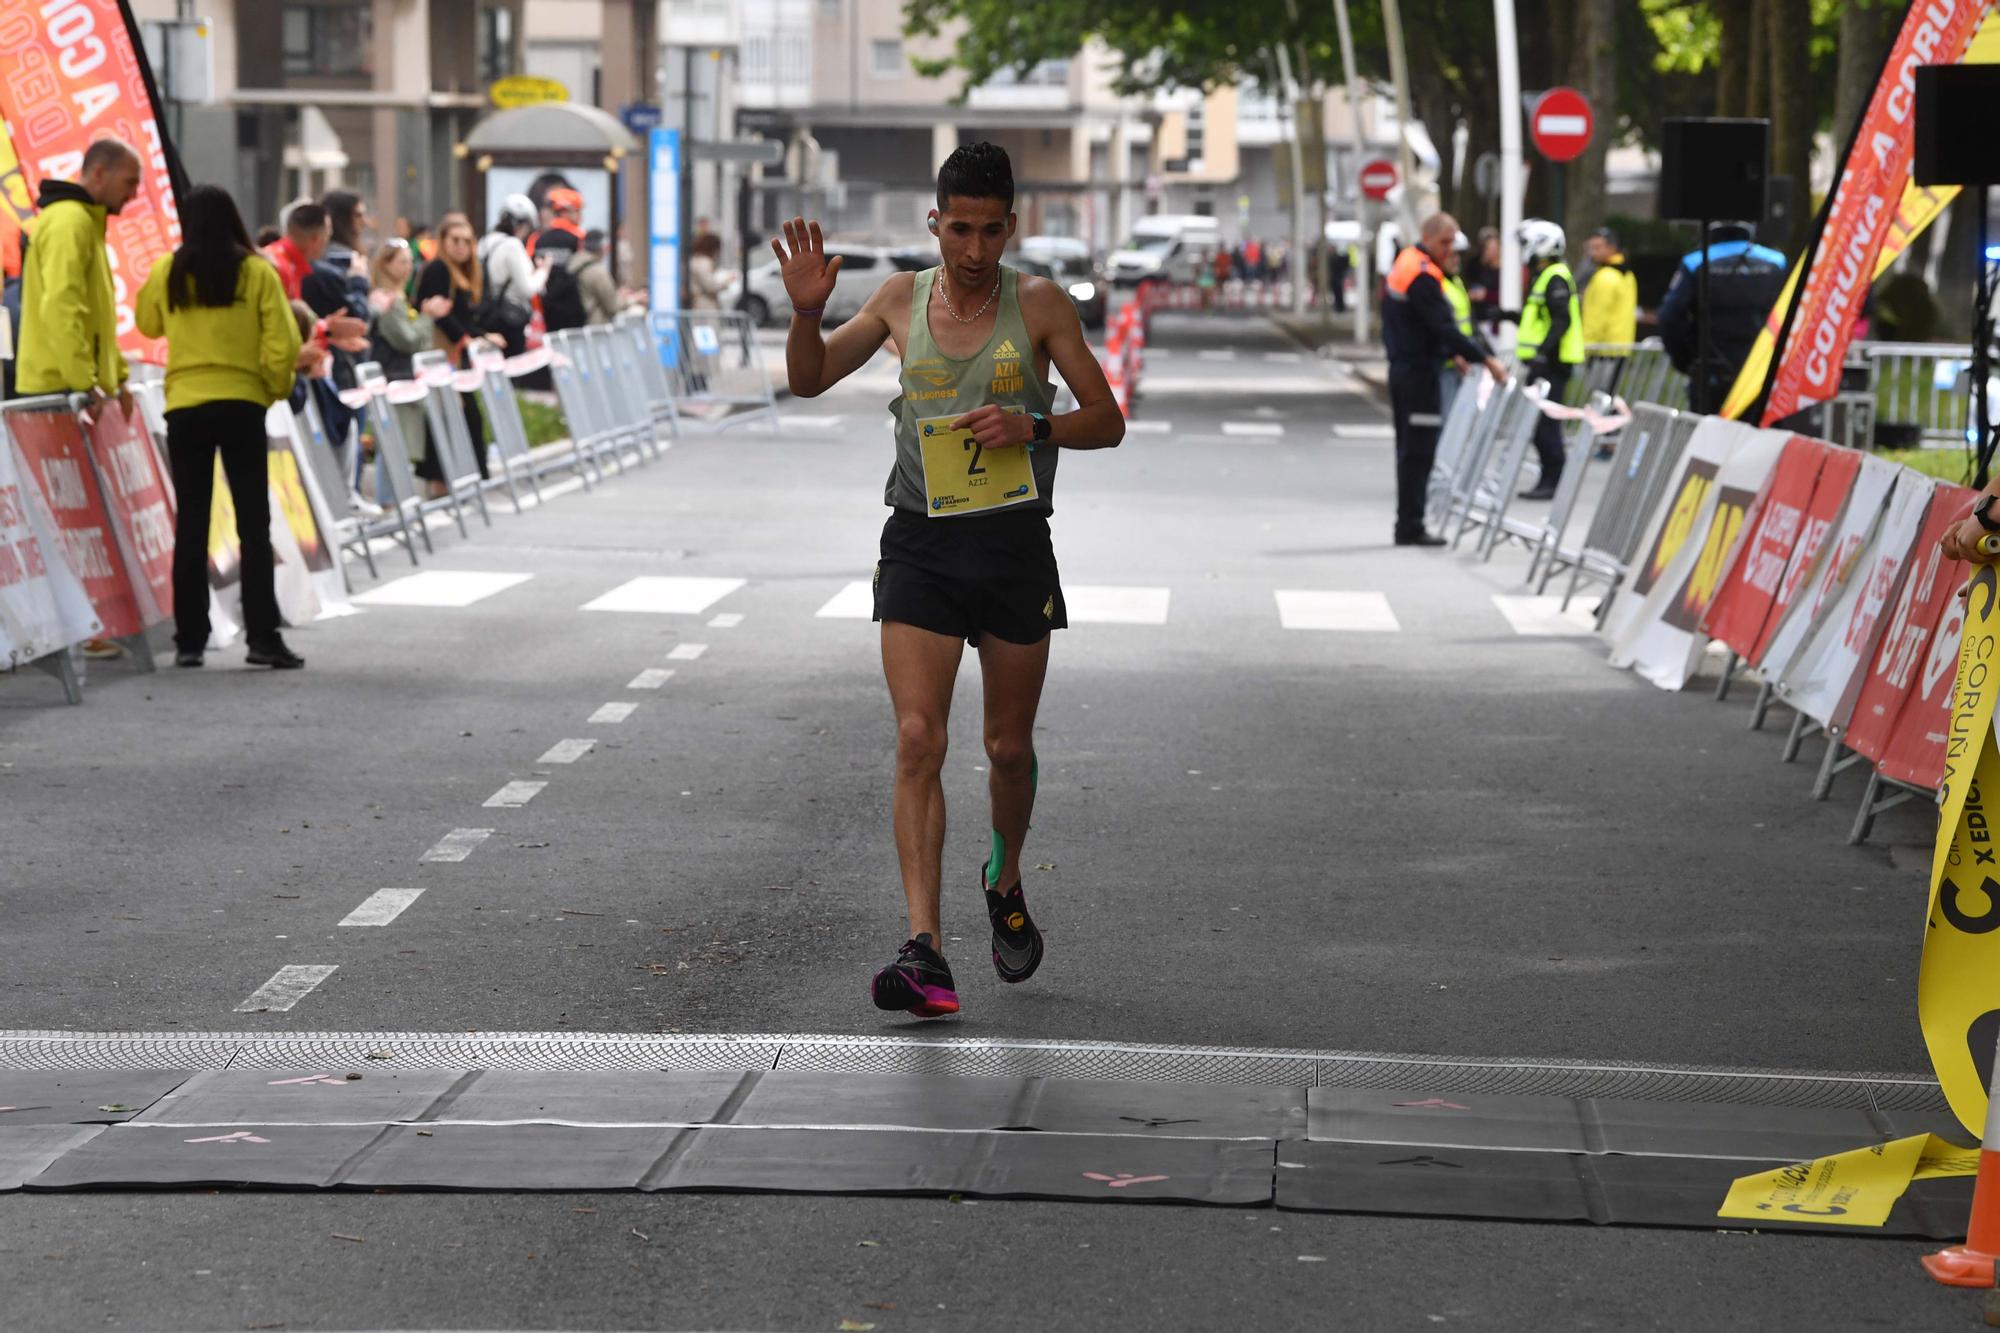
(72, 72)
(1668, 526)
(1833, 562)
(43, 607)
(1958, 981)
(1829, 500)
(1736, 617)
(1866, 198)
(140, 502)
(1664, 643)
(50, 443)
(1908, 679)
(1824, 678)
(1856, 1188)
(296, 490)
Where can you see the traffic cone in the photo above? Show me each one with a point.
(1972, 1264)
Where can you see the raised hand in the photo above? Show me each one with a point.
(808, 273)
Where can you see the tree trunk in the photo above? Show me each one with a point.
(1594, 69)
(1793, 109)
(1867, 27)
(1757, 84)
(1957, 271)
(1732, 78)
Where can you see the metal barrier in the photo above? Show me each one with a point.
(1471, 460)
(1920, 385)
(593, 425)
(713, 360)
(1454, 439)
(633, 329)
(630, 413)
(393, 453)
(452, 446)
(1499, 472)
(1647, 450)
(1544, 537)
(503, 417)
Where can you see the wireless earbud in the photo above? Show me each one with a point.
(931, 222)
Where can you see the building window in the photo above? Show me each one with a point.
(794, 58)
(886, 58)
(1197, 125)
(496, 44)
(756, 58)
(328, 39)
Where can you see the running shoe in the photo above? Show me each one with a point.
(1017, 944)
(918, 981)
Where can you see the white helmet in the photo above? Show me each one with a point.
(518, 208)
(1542, 239)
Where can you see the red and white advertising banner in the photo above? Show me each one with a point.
(296, 493)
(1833, 564)
(1865, 202)
(70, 75)
(1829, 500)
(1905, 667)
(1704, 523)
(1824, 678)
(53, 454)
(140, 502)
(43, 606)
(1668, 526)
(1736, 617)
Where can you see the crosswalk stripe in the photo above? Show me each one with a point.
(440, 587)
(1216, 354)
(1149, 427)
(856, 601)
(1366, 612)
(1544, 616)
(1116, 604)
(1264, 429)
(657, 595)
(1363, 430)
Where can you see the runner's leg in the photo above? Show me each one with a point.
(1012, 674)
(921, 668)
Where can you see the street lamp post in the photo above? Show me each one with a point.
(1363, 285)
(1510, 160)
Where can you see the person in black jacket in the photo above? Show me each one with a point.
(455, 273)
(1420, 333)
(1744, 281)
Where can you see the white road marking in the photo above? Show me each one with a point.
(687, 652)
(656, 595)
(1260, 428)
(440, 587)
(613, 713)
(1114, 604)
(1284, 358)
(567, 752)
(1366, 612)
(650, 679)
(514, 795)
(1149, 427)
(457, 844)
(1216, 354)
(287, 987)
(1359, 430)
(727, 620)
(789, 421)
(1544, 616)
(854, 602)
(381, 907)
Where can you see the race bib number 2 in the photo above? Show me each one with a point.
(960, 477)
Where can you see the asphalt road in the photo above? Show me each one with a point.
(1424, 832)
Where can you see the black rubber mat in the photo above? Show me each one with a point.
(82, 1096)
(1030, 1166)
(1053, 1105)
(26, 1150)
(304, 1097)
(636, 1097)
(174, 1156)
(511, 1157)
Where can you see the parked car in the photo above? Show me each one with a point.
(863, 268)
(1074, 275)
(1171, 247)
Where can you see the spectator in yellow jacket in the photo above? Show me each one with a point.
(1610, 298)
(69, 315)
(232, 347)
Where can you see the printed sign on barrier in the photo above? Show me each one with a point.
(1736, 617)
(43, 606)
(140, 502)
(1829, 499)
(1905, 698)
(297, 493)
(1833, 563)
(51, 445)
(1824, 678)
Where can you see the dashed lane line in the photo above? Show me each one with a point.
(1260, 429)
(650, 679)
(1359, 430)
(514, 795)
(287, 987)
(727, 620)
(1149, 427)
(567, 751)
(613, 712)
(687, 652)
(381, 907)
(457, 844)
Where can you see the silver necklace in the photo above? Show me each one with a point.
(945, 296)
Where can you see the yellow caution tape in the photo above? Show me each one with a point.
(1849, 1189)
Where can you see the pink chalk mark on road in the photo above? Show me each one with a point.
(1122, 1179)
(240, 1136)
(309, 1078)
(1438, 1102)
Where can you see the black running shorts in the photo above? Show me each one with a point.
(971, 576)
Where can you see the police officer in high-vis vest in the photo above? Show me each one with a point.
(1452, 372)
(1550, 340)
(1420, 330)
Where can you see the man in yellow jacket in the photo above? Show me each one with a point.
(69, 315)
(1610, 299)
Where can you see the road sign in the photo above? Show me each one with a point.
(525, 90)
(749, 152)
(641, 118)
(1378, 178)
(1560, 124)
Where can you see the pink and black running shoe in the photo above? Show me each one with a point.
(918, 982)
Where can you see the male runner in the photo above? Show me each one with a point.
(966, 556)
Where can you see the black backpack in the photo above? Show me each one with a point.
(562, 299)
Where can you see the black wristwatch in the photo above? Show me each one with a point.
(1043, 427)
(1981, 512)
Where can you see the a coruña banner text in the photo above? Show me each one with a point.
(70, 74)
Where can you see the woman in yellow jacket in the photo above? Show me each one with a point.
(232, 347)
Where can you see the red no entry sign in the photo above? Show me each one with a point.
(1378, 178)
(1560, 124)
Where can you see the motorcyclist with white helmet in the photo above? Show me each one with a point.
(1550, 339)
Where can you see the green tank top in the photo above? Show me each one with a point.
(936, 385)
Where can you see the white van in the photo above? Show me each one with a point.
(1166, 246)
